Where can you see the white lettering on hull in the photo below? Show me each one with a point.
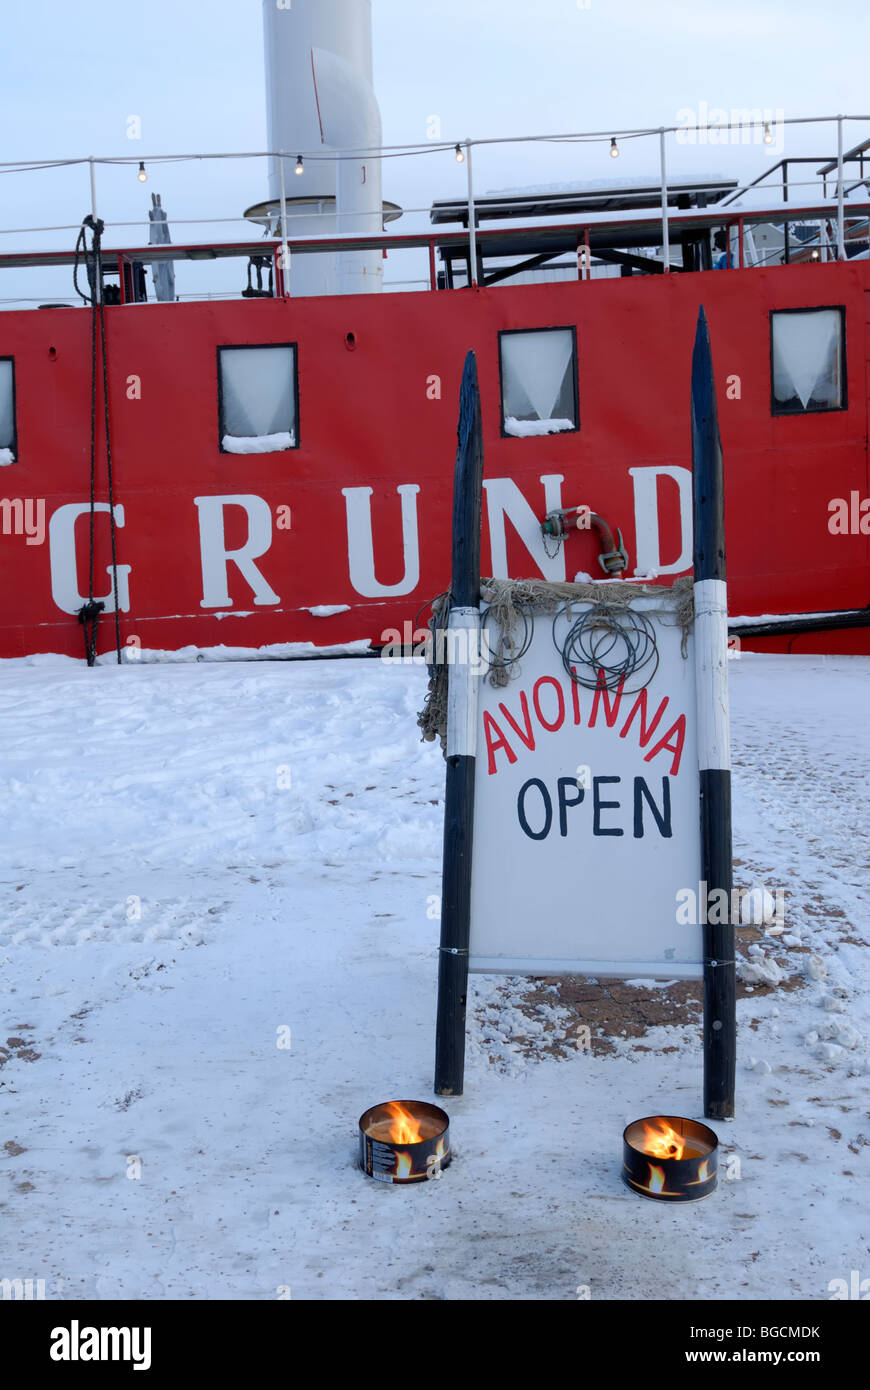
(504, 499)
(361, 546)
(215, 556)
(62, 559)
(646, 519)
(505, 503)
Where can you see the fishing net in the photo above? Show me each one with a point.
(606, 633)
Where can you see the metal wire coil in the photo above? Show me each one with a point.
(614, 645)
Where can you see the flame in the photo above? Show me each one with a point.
(433, 1162)
(403, 1166)
(656, 1179)
(656, 1186)
(661, 1141)
(405, 1129)
(703, 1174)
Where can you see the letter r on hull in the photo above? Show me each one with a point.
(215, 556)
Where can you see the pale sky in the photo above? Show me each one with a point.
(193, 73)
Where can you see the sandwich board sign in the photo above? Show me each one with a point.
(586, 808)
(588, 772)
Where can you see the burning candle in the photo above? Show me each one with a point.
(404, 1141)
(669, 1158)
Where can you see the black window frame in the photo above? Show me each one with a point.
(541, 328)
(4, 357)
(778, 411)
(233, 347)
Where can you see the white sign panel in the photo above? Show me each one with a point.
(586, 820)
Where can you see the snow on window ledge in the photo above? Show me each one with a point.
(6, 457)
(258, 443)
(523, 428)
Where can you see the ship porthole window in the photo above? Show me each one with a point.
(258, 398)
(807, 360)
(8, 441)
(538, 381)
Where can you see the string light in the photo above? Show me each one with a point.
(142, 176)
(614, 148)
(768, 138)
(300, 167)
(460, 155)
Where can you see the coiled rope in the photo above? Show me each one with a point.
(608, 640)
(89, 614)
(610, 646)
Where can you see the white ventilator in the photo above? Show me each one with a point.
(321, 104)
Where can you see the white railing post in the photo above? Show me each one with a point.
(285, 254)
(472, 229)
(97, 288)
(666, 234)
(841, 243)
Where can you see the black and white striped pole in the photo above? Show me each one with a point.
(714, 753)
(463, 648)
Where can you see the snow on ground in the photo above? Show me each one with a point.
(197, 857)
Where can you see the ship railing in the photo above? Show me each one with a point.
(576, 240)
(732, 213)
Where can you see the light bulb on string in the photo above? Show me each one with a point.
(768, 137)
(142, 176)
(614, 148)
(300, 166)
(460, 155)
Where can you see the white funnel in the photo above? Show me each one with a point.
(320, 101)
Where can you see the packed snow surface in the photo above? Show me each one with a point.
(218, 943)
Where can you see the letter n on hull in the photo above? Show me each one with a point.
(505, 502)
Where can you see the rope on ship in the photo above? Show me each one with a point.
(613, 642)
(89, 613)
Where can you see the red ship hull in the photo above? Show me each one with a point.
(369, 486)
